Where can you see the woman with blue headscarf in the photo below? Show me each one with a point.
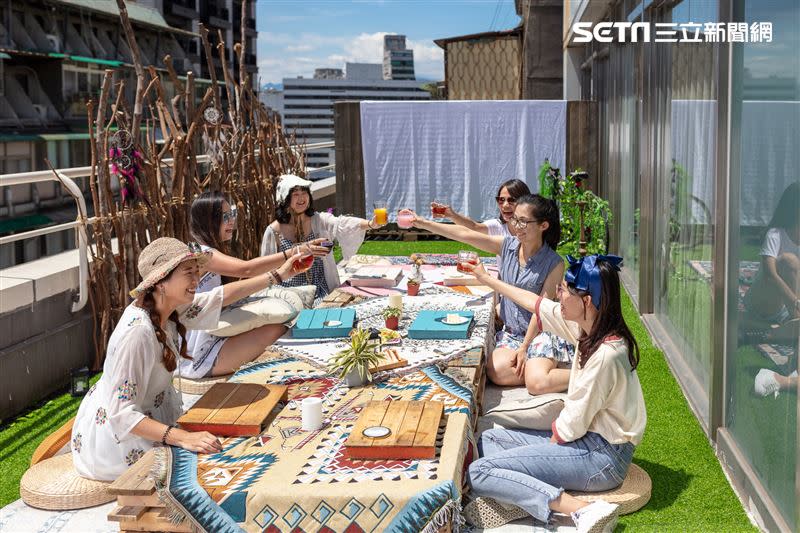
(590, 444)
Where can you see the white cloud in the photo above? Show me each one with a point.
(299, 48)
(323, 51)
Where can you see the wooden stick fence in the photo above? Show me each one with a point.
(248, 151)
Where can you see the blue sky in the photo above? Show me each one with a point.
(297, 36)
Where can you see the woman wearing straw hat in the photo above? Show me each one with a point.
(298, 222)
(213, 221)
(134, 405)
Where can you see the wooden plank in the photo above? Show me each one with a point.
(240, 412)
(207, 404)
(407, 433)
(350, 196)
(237, 403)
(372, 416)
(155, 519)
(429, 424)
(151, 500)
(391, 359)
(262, 406)
(395, 415)
(135, 481)
(53, 443)
(126, 513)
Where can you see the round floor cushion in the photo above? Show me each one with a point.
(54, 485)
(632, 495)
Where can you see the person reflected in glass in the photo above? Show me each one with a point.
(773, 302)
(523, 355)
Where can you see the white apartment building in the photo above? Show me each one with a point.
(308, 106)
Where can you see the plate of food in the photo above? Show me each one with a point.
(390, 336)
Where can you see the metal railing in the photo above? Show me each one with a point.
(66, 177)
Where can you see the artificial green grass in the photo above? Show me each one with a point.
(690, 492)
(20, 437)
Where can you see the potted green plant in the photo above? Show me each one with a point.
(392, 317)
(352, 363)
(415, 278)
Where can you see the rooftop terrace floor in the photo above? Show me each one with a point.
(690, 491)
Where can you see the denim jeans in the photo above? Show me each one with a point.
(522, 467)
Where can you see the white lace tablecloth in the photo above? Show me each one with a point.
(418, 353)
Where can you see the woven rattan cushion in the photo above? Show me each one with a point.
(55, 485)
(632, 495)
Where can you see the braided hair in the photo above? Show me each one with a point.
(168, 357)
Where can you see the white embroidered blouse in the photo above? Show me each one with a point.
(134, 384)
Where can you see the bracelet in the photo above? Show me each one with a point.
(270, 281)
(274, 274)
(164, 437)
(285, 257)
(369, 225)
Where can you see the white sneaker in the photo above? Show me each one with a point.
(766, 384)
(597, 517)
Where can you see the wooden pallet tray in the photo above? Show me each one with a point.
(233, 409)
(413, 427)
(391, 359)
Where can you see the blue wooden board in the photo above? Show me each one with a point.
(429, 325)
(310, 323)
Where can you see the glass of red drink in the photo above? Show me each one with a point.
(466, 256)
(304, 263)
(438, 209)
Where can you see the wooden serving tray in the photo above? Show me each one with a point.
(391, 359)
(413, 426)
(233, 409)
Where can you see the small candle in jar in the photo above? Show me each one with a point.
(396, 300)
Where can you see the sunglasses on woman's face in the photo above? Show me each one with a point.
(505, 200)
(229, 216)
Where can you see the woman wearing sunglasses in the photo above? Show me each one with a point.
(591, 443)
(506, 199)
(213, 221)
(523, 354)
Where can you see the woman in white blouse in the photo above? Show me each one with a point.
(298, 222)
(134, 405)
(591, 443)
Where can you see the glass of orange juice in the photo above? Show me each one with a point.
(380, 212)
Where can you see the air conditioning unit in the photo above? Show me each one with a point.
(41, 111)
(55, 42)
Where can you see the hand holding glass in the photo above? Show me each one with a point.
(466, 257)
(380, 212)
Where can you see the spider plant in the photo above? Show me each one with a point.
(363, 352)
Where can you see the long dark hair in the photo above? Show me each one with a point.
(206, 220)
(168, 358)
(609, 318)
(282, 212)
(544, 209)
(786, 213)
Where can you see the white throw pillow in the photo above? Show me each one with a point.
(534, 412)
(276, 305)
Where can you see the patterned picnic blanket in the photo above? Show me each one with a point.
(419, 353)
(287, 479)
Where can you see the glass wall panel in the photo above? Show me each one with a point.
(762, 401)
(685, 176)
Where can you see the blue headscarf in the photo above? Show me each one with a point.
(584, 273)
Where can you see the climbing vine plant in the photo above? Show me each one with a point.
(568, 192)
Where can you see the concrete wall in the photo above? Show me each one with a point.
(41, 339)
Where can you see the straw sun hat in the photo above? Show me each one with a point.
(161, 256)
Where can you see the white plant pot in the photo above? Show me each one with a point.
(355, 379)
